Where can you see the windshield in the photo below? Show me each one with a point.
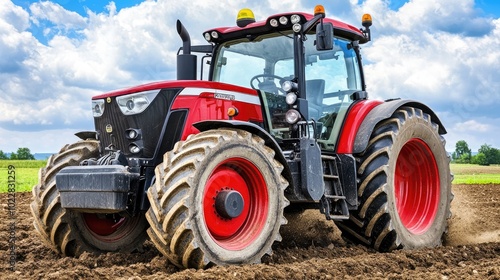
(239, 61)
(332, 76)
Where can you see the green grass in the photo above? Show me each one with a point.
(26, 174)
(23, 163)
(470, 174)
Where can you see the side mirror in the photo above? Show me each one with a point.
(324, 36)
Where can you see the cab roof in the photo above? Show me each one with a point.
(264, 27)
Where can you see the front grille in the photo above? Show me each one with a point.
(151, 122)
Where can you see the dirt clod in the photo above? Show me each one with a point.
(311, 249)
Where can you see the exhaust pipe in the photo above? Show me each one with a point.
(186, 62)
(186, 40)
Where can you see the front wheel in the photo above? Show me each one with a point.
(404, 186)
(218, 199)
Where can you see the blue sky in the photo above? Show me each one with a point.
(81, 6)
(55, 55)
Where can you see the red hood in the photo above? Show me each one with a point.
(174, 84)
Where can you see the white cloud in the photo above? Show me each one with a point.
(16, 45)
(438, 66)
(14, 15)
(453, 16)
(476, 131)
(56, 14)
(472, 126)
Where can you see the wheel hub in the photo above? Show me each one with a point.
(235, 204)
(229, 204)
(103, 225)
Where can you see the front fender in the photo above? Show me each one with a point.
(84, 135)
(254, 129)
(384, 111)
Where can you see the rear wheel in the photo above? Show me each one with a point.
(69, 232)
(218, 199)
(404, 186)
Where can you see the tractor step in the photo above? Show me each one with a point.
(334, 204)
(337, 206)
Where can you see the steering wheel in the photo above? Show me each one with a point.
(261, 81)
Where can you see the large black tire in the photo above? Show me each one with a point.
(404, 186)
(71, 233)
(185, 225)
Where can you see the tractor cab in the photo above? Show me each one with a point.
(331, 78)
(305, 68)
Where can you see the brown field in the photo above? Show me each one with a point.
(311, 249)
(468, 169)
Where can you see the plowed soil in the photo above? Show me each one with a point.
(311, 249)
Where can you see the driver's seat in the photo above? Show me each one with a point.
(315, 90)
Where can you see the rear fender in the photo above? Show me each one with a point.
(384, 111)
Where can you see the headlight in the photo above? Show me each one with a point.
(292, 116)
(136, 103)
(290, 98)
(134, 148)
(207, 37)
(98, 107)
(295, 19)
(289, 86)
(273, 22)
(133, 133)
(283, 20)
(297, 27)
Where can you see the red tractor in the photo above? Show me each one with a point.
(207, 169)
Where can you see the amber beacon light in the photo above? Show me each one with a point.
(366, 21)
(245, 17)
(319, 9)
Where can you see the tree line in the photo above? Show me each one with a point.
(486, 154)
(22, 153)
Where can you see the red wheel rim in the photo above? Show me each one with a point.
(103, 227)
(244, 177)
(416, 185)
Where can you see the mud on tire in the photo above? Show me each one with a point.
(71, 233)
(404, 187)
(185, 225)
